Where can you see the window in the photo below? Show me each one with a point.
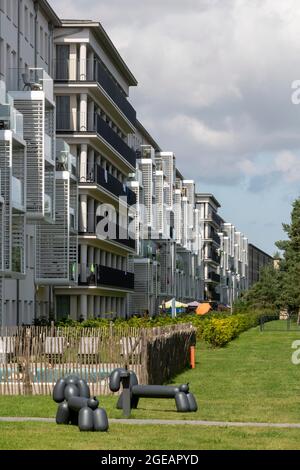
(62, 62)
(63, 121)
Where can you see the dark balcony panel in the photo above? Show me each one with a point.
(215, 277)
(114, 277)
(114, 140)
(120, 235)
(216, 238)
(97, 275)
(111, 184)
(103, 78)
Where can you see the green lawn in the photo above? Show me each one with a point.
(252, 379)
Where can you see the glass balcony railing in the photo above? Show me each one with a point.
(94, 71)
(48, 205)
(110, 183)
(11, 119)
(80, 122)
(17, 192)
(31, 79)
(48, 148)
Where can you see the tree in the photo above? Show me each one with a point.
(289, 266)
(266, 292)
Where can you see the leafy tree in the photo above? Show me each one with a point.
(266, 292)
(290, 264)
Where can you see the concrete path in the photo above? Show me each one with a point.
(169, 422)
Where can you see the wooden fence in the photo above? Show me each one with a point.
(33, 358)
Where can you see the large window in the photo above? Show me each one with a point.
(62, 62)
(63, 121)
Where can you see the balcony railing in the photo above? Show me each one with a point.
(31, 79)
(214, 257)
(216, 238)
(110, 183)
(215, 277)
(98, 275)
(94, 71)
(117, 231)
(79, 122)
(10, 119)
(17, 192)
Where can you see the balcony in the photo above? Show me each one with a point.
(114, 140)
(31, 79)
(213, 257)
(214, 277)
(118, 234)
(69, 70)
(216, 238)
(110, 183)
(17, 193)
(10, 119)
(97, 275)
(48, 205)
(48, 149)
(79, 122)
(214, 217)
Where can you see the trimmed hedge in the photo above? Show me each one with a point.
(216, 328)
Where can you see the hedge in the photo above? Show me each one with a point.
(216, 328)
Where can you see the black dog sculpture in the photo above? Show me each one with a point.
(132, 392)
(76, 405)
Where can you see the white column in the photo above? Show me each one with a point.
(83, 213)
(114, 305)
(83, 262)
(83, 162)
(91, 215)
(73, 62)
(74, 113)
(82, 62)
(91, 162)
(90, 255)
(83, 113)
(102, 306)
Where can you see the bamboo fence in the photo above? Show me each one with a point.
(33, 358)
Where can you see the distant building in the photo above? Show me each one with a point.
(257, 259)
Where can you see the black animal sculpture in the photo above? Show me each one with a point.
(132, 392)
(76, 405)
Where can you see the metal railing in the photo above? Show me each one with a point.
(94, 71)
(110, 183)
(98, 275)
(81, 122)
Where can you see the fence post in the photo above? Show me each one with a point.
(261, 323)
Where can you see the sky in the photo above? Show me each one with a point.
(215, 86)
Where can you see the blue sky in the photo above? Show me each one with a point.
(215, 81)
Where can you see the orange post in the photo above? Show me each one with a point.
(192, 356)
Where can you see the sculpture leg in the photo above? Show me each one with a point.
(63, 414)
(100, 420)
(182, 402)
(192, 402)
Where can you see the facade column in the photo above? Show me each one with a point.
(73, 62)
(91, 164)
(83, 213)
(102, 306)
(74, 113)
(83, 163)
(83, 122)
(91, 215)
(82, 62)
(83, 262)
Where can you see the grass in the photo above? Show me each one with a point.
(252, 379)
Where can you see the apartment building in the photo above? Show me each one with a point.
(257, 259)
(95, 118)
(210, 226)
(233, 263)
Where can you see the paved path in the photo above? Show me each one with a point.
(169, 422)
